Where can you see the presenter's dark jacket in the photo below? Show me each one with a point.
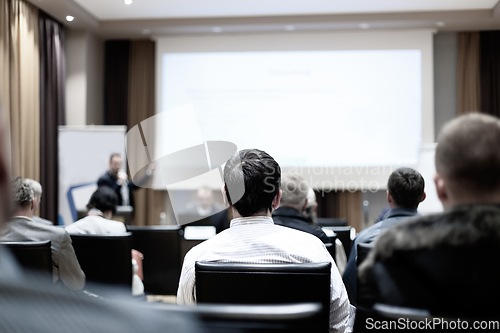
(392, 218)
(445, 263)
(109, 180)
(291, 218)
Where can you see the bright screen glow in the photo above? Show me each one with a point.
(305, 108)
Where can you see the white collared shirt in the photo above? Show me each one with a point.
(257, 239)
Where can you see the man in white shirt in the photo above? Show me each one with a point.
(252, 190)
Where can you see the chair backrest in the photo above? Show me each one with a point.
(215, 318)
(32, 255)
(239, 283)
(105, 259)
(344, 235)
(161, 246)
(363, 250)
(330, 222)
(330, 247)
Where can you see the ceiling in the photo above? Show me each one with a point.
(115, 19)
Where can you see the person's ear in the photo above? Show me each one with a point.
(223, 191)
(305, 205)
(441, 189)
(423, 197)
(389, 197)
(276, 200)
(315, 207)
(32, 207)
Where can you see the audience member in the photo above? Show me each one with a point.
(309, 214)
(21, 227)
(205, 206)
(293, 202)
(102, 206)
(117, 179)
(37, 191)
(445, 262)
(405, 191)
(252, 189)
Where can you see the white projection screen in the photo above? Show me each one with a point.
(341, 109)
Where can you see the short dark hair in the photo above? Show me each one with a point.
(261, 176)
(22, 193)
(406, 187)
(468, 153)
(103, 199)
(114, 155)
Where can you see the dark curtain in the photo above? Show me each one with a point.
(116, 67)
(52, 109)
(328, 203)
(490, 72)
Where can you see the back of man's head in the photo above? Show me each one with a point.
(406, 187)
(259, 174)
(294, 191)
(22, 193)
(104, 199)
(468, 155)
(35, 186)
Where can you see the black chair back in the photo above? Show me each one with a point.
(237, 283)
(161, 247)
(35, 256)
(363, 250)
(344, 235)
(215, 318)
(330, 222)
(331, 249)
(105, 259)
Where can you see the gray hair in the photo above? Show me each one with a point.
(21, 192)
(294, 190)
(35, 186)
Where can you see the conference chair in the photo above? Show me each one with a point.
(330, 247)
(345, 234)
(330, 222)
(161, 247)
(216, 318)
(32, 256)
(106, 261)
(362, 296)
(240, 283)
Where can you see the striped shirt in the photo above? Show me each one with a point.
(257, 239)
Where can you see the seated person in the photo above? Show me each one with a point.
(37, 192)
(252, 189)
(21, 227)
(445, 262)
(405, 191)
(205, 206)
(102, 206)
(309, 214)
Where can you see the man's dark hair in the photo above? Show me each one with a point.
(261, 176)
(103, 199)
(22, 193)
(468, 154)
(114, 155)
(406, 187)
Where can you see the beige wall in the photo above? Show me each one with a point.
(84, 78)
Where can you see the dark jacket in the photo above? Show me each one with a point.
(392, 218)
(109, 180)
(291, 218)
(445, 263)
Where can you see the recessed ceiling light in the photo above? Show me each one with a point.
(146, 31)
(128, 2)
(289, 27)
(364, 26)
(69, 18)
(440, 24)
(216, 29)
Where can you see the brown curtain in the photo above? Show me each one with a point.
(52, 109)
(20, 84)
(148, 203)
(116, 64)
(490, 72)
(341, 205)
(468, 73)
